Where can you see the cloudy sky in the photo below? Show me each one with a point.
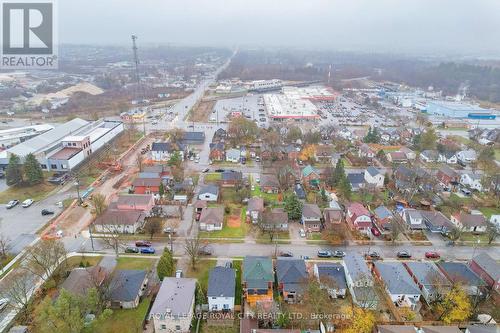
(421, 26)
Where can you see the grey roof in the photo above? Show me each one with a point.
(221, 282)
(356, 267)
(430, 154)
(372, 171)
(148, 175)
(160, 146)
(175, 295)
(212, 189)
(291, 272)
(460, 272)
(193, 136)
(356, 179)
(428, 274)
(269, 180)
(335, 272)
(255, 204)
(396, 278)
(491, 328)
(489, 265)
(441, 329)
(437, 219)
(48, 138)
(82, 279)
(133, 200)
(383, 212)
(311, 211)
(126, 284)
(212, 215)
(396, 329)
(233, 153)
(232, 175)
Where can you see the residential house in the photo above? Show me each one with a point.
(358, 217)
(146, 185)
(311, 176)
(230, 178)
(396, 329)
(410, 154)
(127, 287)
(374, 177)
(488, 269)
(439, 329)
(311, 218)
(199, 205)
(221, 289)
(332, 217)
(466, 156)
(81, 279)
(448, 157)
(217, 151)
(447, 175)
(173, 308)
(413, 218)
(469, 222)
(219, 135)
(193, 138)
(483, 328)
(435, 221)
(397, 157)
(360, 281)
(398, 283)
(429, 156)
(233, 155)
(383, 218)
(292, 276)
(299, 191)
(274, 219)
(143, 202)
(162, 151)
(257, 279)
(332, 278)
(366, 151)
(357, 181)
(323, 153)
(119, 221)
(458, 272)
(495, 220)
(431, 281)
(255, 209)
(269, 183)
(148, 175)
(212, 218)
(209, 193)
(472, 181)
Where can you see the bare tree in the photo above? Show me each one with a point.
(492, 231)
(18, 291)
(192, 247)
(99, 202)
(396, 229)
(43, 258)
(5, 246)
(152, 227)
(112, 238)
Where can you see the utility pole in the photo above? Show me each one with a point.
(138, 79)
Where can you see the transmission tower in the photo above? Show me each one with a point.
(140, 94)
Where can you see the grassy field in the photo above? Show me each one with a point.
(226, 232)
(201, 273)
(135, 263)
(470, 237)
(212, 177)
(488, 211)
(89, 261)
(21, 193)
(267, 196)
(125, 320)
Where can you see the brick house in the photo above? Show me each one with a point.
(217, 151)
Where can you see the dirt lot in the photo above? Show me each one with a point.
(202, 111)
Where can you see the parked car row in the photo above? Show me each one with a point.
(13, 203)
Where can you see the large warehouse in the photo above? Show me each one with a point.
(459, 110)
(66, 146)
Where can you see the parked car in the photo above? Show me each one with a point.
(131, 249)
(26, 203)
(324, 254)
(169, 230)
(465, 191)
(197, 218)
(286, 254)
(47, 212)
(206, 170)
(403, 254)
(219, 170)
(373, 256)
(432, 255)
(143, 244)
(12, 204)
(178, 273)
(302, 233)
(338, 254)
(148, 250)
(205, 251)
(375, 231)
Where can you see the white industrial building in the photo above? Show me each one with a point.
(67, 145)
(13, 136)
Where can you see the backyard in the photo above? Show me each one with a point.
(234, 225)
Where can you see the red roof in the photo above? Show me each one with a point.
(358, 209)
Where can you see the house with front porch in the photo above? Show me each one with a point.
(475, 223)
(311, 218)
(292, 278)
(212, 219)
(257, 279)
(398, 283)
(358, 217)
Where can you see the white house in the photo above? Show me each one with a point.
(471, 180)
(221, 289)
(209, 193)
(495, 219)
(429, 156)
(448, 157)
(233, 155)
(469, 222)
(398, 283)
(413, 219)
(374, 177)
(331, 277)
(162, 151)
(359, 281)
(173, 308)
(466, 156)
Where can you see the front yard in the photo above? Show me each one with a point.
(135, 263)
(21, 193)
(270, 197)
(212, 177)
(233, 229)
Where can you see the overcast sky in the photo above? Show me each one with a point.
(417, 26)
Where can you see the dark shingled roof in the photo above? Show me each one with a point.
(126, 285)
(221, 282)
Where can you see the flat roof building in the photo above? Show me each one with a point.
(459, 110)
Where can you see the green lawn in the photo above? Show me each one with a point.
(237, 267)
(201, 273)
(497, 154)
(267, 196)
(470, 237)
(488, 211)
(21, 193)
(125, 321)
(135, 263)
(212, 177)
(226, 232)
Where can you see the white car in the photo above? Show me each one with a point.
(26, 203)
(302, 233)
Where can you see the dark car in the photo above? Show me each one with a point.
(324, 254)
(286, 254)
(219, 170)
(47, 212)
(12, 204)
(132, 249)
(373, 255)
(143, 244)
(148, 250)
(205, 251)
(403, 254)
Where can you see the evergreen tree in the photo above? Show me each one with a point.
(13, 173)
(161, 190)
(32, 170)
(345, 188)
(339, 172)
(166, 265)
(293, 207)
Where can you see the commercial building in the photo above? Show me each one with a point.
(13, 136)
(66, 146)
(459, 110)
